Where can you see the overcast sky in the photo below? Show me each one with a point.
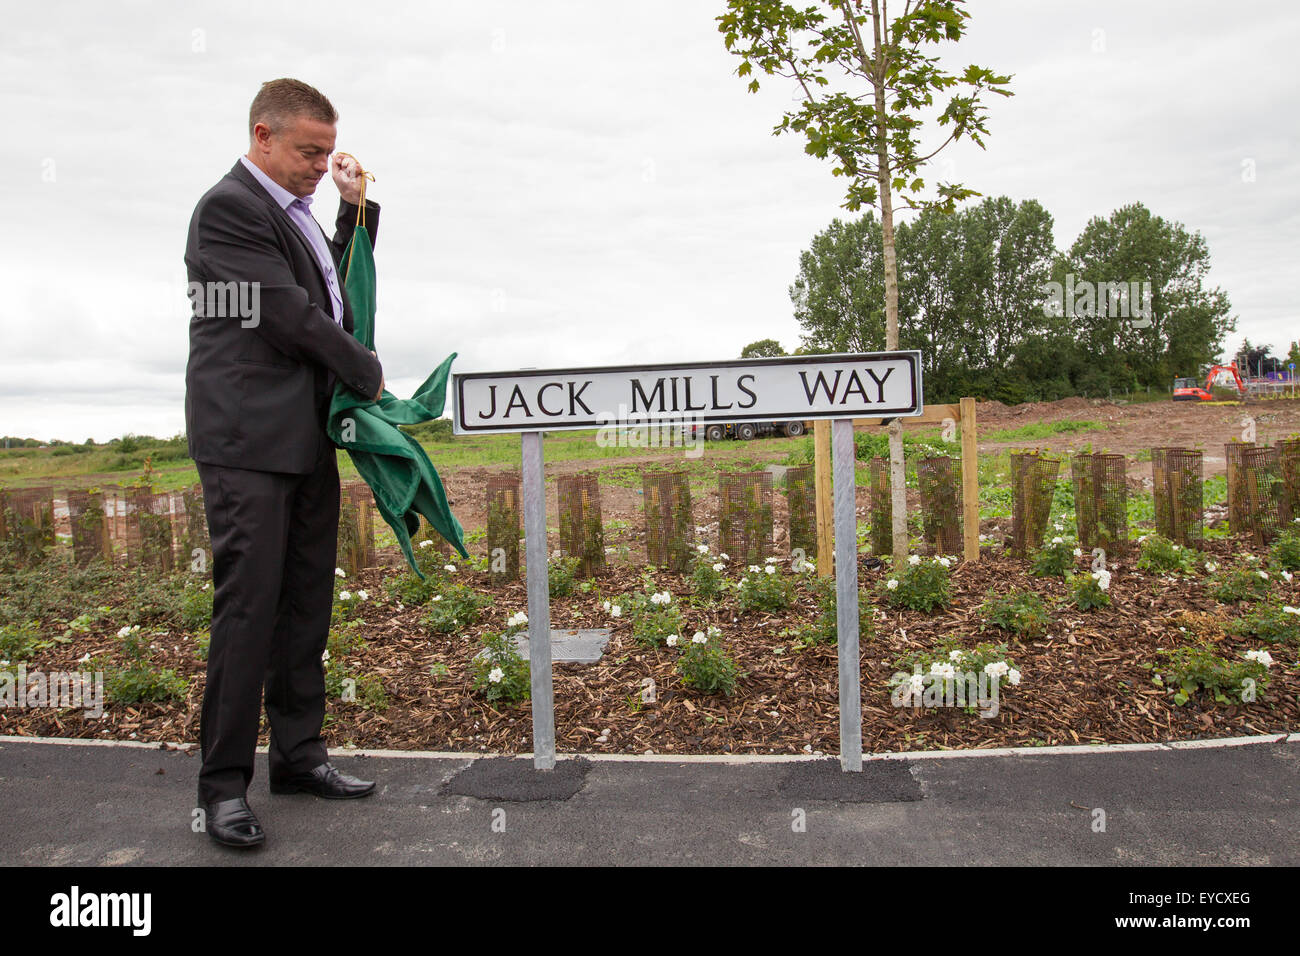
(573, 182)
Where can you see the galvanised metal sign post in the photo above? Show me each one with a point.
(794, 388)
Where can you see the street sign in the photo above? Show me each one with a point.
(878, 385)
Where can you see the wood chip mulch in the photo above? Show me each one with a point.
(1083, 683)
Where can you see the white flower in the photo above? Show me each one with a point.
(1263, 657)
(771, 560)
(997, 669)
(914, 560)
(917, 682)
(1078, 553)
(1251, 557)
(80, 660)
(655, 599)
(946, 671)
(671, 640)
(1211, 566)
(892, 583)
(345, 595)
(451, 568)
(945, 562)
(1286, 575)
(338, 573)
(809, 565)
(956, 655)
(1059, 527)
(1013, 676)
(437, 597)
(495, 675)
(771, 569)
(125, 631)
(615, 611)
(725, 557)
(753, 569)
(719, 566)
(699, 638)
(1291, 610)
(364, 595)
(606, 606)
(426, 543)
(702, 548)
(518, 619)
(1178, 547)
(1058, 540)
(326, 655)
(1263, 574)
(1102, 578)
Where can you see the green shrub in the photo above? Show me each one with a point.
(559, 576)
(764, 588)
(1239, 584)
(1199, 668)
(1020, 612)
(1159, 555)
(500, 672)
(705, 664)
(18, 642)
(1055, 559)
(1270, 623)
(1285, 553)
(654, 617)
(708, 575)
(455, 608)
(922, 585)
(1089, 591)
(196, 605)
(139, 681)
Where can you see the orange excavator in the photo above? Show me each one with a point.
(1187, 389)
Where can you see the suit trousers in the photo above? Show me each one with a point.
(274, 540)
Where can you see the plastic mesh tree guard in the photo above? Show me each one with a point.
(801, 506)
(1232, 455)
(1033, 483)
(1101, 501)
(1288, 451)
(882, 520)
(1263, 493)
(669, 527)
(582, 535)
(28, 515)
(504, 497)
(89, 526)
(191, 522)
(745, 521)
(149, 531)
(938, 479)
(356, 538)
(1185, 495)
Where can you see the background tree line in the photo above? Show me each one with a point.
(974, 297)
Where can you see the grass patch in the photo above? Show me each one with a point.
(1038, 430)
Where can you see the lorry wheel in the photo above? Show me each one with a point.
(794, 429)
(746, 432)
(715, 433)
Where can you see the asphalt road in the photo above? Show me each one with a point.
(1233, 805)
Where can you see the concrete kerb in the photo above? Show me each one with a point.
(1212, 743)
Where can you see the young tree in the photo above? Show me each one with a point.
(870, 118)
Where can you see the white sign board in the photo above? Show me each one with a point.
(876, 385)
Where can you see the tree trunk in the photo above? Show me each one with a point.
(897, 472)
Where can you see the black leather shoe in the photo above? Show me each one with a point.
(232, 823)
(325, 781)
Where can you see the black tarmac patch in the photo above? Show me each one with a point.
(515, 780)
(881, 781)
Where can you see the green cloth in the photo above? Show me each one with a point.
(392, 463)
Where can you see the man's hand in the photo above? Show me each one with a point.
(347, 177)
(379, 394)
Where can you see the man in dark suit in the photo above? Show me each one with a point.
(270, 337)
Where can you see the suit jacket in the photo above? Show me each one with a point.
(257, 397)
